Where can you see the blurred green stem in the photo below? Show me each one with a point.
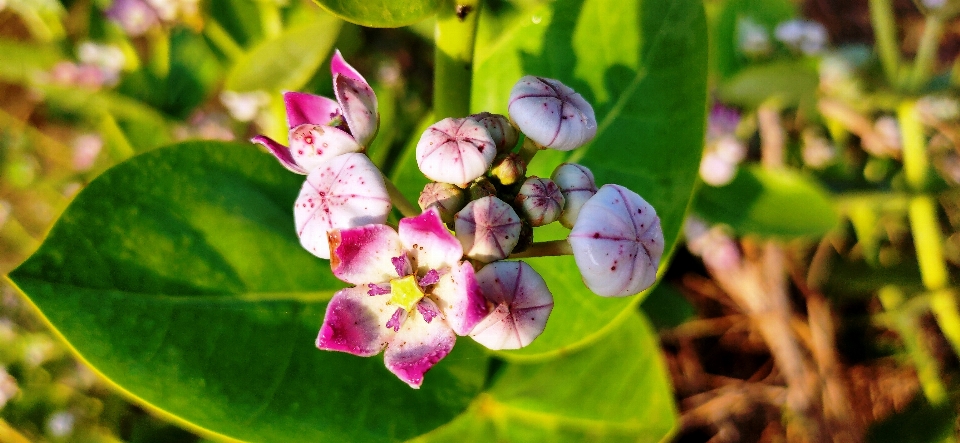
(400, 202)
(905, 324)
(885, 29)
(455, 35)
(159, 40)
(222, 39)
(926, 60)
(925, 227)
(270, 19)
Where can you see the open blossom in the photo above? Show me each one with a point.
(346, 192)
(321, 128)
(413, 295)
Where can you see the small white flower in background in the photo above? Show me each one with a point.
(38, 349)
(888, 128)
(3, 5)
(135, 17)
(206, 126)
(753, 39)
(715, 170)
(817, 151)
(108, 58)
(806, 36)
(938, 108)
(8, 386)
(60, 425)
(244, 106)
(86, 148)
(717, 249)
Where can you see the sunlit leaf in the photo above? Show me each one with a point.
(615, 391)
(381, 13)
(179, 277)
(781, 203)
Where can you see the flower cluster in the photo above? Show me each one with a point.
(445, 272)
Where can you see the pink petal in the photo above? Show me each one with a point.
(455, 151)
(346, 192)
(363, 254)
(313, 145)
(522, 305)
(281, 152)
(311, 109)
(340, 66)
(458, 296)
(617, 242)
(429, 242)
(417, 347)
(488, 228)
(359, 104)
(354, 323)
(551, 114)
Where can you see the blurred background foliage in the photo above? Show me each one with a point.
(816, 297)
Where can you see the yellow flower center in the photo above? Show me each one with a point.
(405, 292)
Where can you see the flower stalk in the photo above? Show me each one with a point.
(399, 200)
(885, 28)
(552, 248)
(454, 35)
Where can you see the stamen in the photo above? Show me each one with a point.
(430, 278)
(378, 289)
(402, 265)
(399, 316)
(428, 309)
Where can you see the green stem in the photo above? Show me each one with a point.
(885, 29)
(545, 249)
(906, 326)
(928, 243)
(454, 36)
(528, 150)
(270, 18)
(916, 164)
(926, 60)
(159, 40)
(222, 39)
(399, 201)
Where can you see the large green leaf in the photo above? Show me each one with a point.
(781, 203)
(381, 13)
(790, 83)
(616, 391)
(179, 277)
(644, 70)
(288, 61)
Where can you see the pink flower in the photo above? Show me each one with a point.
(321, 128)
(413, 295)
(522, 303)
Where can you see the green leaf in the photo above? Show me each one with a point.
(642, 65)
(288, 61)
(179, 277)
(23, 60)
(782, 203)
(381, 13)
(789, 83)
(616, 391)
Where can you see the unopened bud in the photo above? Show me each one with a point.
(481, 188)
(577, 185)
(503, 133)
(540, 201)
(488, 229)
(509, 169)
(551, 114)
(447, 198)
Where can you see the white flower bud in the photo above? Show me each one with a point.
(551, 114)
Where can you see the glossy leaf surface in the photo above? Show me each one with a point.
(615, 391)
(642, 65)
(288, 61)
(381, 13)
(179, 277)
